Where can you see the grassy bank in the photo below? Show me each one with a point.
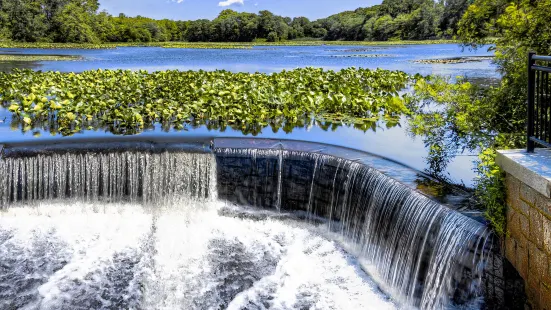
(15, 57)
(216, 45)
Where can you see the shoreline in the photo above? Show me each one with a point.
(215, 45)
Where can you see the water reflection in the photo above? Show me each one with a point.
(7, 66)
(393, 143)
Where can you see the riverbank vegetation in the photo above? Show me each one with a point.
(129, 101)
(213, 45)
(483, 119)
(28, 57)
(78, 21)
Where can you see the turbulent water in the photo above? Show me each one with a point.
(424, 254)
(145, 230)
(81, 256)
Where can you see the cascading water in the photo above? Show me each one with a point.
(115, 176)
(419, 250)
(146, 230)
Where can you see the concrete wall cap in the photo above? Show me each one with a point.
(532, 169)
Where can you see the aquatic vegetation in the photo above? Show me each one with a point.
(454, 60)
(202, 45)
(362, 56)
(43, 45)
(359, 50)
(129, 101)
(212, 45)
(354, 43)
(28, 57)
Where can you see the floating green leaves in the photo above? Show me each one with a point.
(36, 57)
(454, 60)
(129, 101)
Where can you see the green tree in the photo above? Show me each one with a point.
(397, 7)
(5, 32)
(26, 20)
(345, 26)
(104, 27)
(268, 22)
(171, 29)
(452, 13)
(199, 31)
(75, 25)
(272, 37)
(385, 28)
(80, 21)
(226, 27)
(480, 21)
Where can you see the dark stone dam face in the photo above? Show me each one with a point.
(233, 226)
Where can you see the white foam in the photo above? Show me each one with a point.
(127, 256)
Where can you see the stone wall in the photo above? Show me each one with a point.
(528, 240)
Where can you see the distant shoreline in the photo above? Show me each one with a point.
(37, 57)
(454, 60)
(216, 45)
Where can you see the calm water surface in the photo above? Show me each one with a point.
(394, 143)
(271, 59)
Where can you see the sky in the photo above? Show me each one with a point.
(197, 9)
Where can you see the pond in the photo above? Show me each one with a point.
(269, 59)
(395, 143)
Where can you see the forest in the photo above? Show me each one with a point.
(80, 21)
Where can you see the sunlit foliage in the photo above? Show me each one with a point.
(483, 119)
(78, 21)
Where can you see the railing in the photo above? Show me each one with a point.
(539, 101)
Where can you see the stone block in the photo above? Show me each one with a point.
(513, 223)
(547, 276)
(537, 262)
(528, 194)
(536, 227)
(522, 260)
(545, 296)
(533, 284)
(544, 204)
(524, 225)
(512, 185)
(533, 295)
(511, 250)
(523, 208)
(547, 236)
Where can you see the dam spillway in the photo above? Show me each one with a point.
(223, 228)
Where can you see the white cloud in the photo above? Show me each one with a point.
(230, 2)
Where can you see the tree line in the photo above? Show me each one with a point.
(80, 21)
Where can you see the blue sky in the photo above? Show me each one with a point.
(196, 9)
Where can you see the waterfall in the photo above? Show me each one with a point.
(421, 251)
(423, 254)
(111, 177)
